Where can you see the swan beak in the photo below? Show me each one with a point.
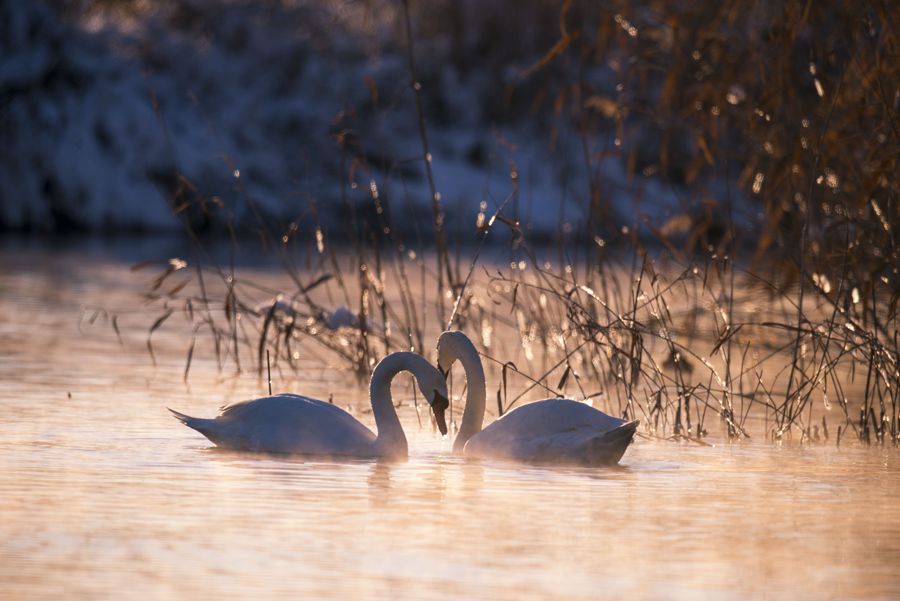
(438, 407)
(443, 373)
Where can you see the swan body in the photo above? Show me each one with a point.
(552, 431)
(284, 423)
(290, 423)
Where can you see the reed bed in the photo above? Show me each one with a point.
(690, 349)
(699, 323)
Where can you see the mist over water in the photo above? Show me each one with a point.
(104, 495)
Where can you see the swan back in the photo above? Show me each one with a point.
(555, 415)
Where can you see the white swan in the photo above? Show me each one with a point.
(289, 423)
(552, 431)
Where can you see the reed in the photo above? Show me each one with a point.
(708, 321)
(673, 344)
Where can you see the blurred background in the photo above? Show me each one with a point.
(601, 122)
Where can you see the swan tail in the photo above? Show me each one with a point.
(609, 448)
(206, 427)
(184, 419)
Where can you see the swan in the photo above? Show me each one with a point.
(552, 431)
(290, 423)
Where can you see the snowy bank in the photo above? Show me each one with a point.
(241, 114)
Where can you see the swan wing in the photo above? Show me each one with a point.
(552, 416)
(554, 431)
(287, 423)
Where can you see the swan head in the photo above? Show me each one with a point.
(434, 389)
(448, 350)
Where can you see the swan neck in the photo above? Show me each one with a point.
(476, 395)
(391, 440)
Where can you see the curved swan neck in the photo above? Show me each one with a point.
(476, 395)
(391, 440)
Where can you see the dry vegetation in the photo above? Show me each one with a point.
(783, 326)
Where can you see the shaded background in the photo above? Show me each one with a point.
(601, 122)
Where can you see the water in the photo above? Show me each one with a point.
(104, 495)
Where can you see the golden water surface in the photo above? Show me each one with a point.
(104, 495)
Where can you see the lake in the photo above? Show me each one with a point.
(104, 495)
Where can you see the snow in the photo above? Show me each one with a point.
(233, 112)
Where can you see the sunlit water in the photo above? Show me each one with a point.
(104, 495)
